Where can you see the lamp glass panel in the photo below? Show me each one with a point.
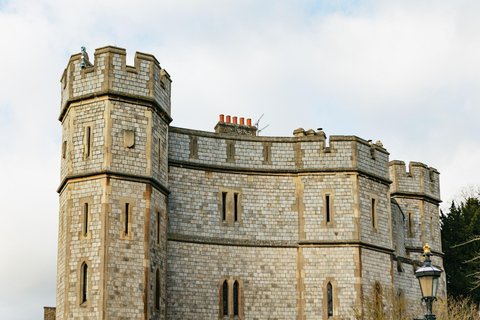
(426, 285)
(435, 287)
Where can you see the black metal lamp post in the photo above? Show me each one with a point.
(428, 278)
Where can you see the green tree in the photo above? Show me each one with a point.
(461, 245)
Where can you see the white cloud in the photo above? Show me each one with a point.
(403, 72)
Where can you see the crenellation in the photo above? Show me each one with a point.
(419, 179)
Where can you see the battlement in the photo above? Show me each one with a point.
(110, 75)
(420, 180)
(234, 151)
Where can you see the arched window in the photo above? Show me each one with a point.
(330, 299)
(157, 290)
(84, 283)
(225, 297)
(235, 298)
(378, 297)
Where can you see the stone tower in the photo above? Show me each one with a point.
(251, 227)
(112, 259)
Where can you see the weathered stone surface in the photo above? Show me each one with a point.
(200, 208)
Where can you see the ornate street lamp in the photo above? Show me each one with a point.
(428, 277)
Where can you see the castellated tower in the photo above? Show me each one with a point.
(112, 259)
(250, 227)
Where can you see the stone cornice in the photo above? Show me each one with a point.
(121, 97)
(276, 244)
(115, 175)
(418, 196)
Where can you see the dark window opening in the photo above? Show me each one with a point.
(411, 223)
(158, 227)
(64, 149)
(373, 213)
(235, 200)
(327, 207)
(157, 290)
(224, 206)
(85, 218)
(88, 140)
(126, 217)
(235, 298)
(330, 299)
(225, 298)
(159, 153)
(84, 282)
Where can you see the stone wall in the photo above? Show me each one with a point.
(196, 271)
(287, 154)
(48, 313)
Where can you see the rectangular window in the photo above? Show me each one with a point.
(410, 224)
(267, 153)
(432, 229)
(327, 208)
(224, 206)
(88, 141)
(235, 200)
(126, 217)
(374, 221)
(158, 228)
(85, 219)
(230, 208)
(64, 149)
(160, 147)
(193, 147)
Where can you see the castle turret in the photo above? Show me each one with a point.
(418, 194)
(113, 190)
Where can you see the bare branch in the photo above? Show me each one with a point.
(469, 241)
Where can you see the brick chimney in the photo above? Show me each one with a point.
(225, 126)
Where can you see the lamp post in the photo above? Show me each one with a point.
(428, 278)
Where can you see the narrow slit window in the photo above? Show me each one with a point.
(374, 222)
(158, 228)
(235, 200)
(157, 290)
(127, 205)
(64, 149)
(327, 208)
(160, 153)
(85, 218)
(432, 229)
(330, 299)
(225, 297)
(88, 139)
(378, 297)
(84, 283)
(224, 206)
(235, 298)
(410, 223)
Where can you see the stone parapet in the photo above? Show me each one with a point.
(276, 154)
(420, 180)
(145, 81)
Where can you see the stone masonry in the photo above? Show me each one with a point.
(160, 222)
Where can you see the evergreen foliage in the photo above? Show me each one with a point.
(461, 245)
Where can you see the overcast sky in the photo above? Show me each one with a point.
(403, 72)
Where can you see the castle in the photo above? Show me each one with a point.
(160, 222)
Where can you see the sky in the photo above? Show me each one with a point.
(403, 72)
